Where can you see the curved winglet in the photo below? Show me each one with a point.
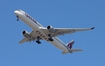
(92, 28)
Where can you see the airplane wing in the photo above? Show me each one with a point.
(32, 38)
(62, 31)
(23, 40)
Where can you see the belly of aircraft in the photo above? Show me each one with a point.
(59, 45)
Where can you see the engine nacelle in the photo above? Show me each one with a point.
(26, 34)
(51, 29)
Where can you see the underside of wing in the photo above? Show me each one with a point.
(62, 31)
(29, 37)
(23, 40)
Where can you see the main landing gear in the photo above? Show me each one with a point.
(37, 41)
(50, 38)
(38, 38)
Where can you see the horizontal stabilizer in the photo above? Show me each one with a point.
(75, 50)
(72, 50)
(64, 52)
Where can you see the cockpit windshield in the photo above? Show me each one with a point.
(21, 11)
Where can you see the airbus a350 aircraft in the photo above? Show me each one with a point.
(49, 33)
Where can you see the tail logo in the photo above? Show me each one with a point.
(70, 44)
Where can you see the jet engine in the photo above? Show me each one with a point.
(51, 29)
(26, 34)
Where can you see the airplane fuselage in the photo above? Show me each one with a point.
(36, 27)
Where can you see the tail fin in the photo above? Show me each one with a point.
(70, 44)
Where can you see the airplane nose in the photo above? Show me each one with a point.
(16, 12)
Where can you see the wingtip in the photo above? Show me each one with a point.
(92, 28)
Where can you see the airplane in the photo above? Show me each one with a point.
(48, 33)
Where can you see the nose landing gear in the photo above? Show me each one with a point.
(17, 18)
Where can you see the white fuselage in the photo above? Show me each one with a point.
(36, 27)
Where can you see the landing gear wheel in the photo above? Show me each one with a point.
(49, 35)
(17, 19)
(38, 42)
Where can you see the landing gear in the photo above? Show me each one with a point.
(17, 18)
(50, 37)
(37, 41)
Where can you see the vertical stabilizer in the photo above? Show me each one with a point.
(70, 44)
